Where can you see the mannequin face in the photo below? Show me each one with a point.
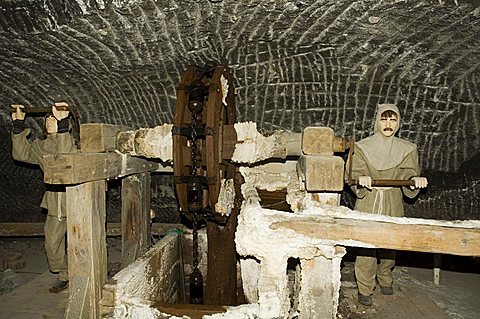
(51, 125)
(388, 125)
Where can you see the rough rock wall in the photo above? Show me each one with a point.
(295, 64)
(451, 196)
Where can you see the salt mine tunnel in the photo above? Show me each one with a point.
(291, 65)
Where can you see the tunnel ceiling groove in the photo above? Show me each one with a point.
(295, 63)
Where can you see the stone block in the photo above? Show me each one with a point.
(322, 172)
(318, 140)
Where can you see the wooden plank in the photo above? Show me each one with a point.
(192, 311)
(113, 229)
(87, 248)
(21, 229)
(135, 216)
(99, 137)
(161, 269)
(87, 167)
(161, 229)
(431, 238)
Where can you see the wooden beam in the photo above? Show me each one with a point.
(99, 137)
(436, 237)
(160, 229)
(87, 248)
(21, 229)
(80, 168)
(135, 216)
(113, 229)
(189, 310)
(221, 282)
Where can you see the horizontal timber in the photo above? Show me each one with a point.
(113, 229)
(87, 167)
(431, 238)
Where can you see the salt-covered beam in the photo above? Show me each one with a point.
(348, 228)
(253, 147)
(153, 142)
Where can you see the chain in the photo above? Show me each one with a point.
(193, 173)
(193, 136)
(195, 241)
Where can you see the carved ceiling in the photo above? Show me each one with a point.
(296, 64)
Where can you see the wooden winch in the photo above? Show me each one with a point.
(203, 128)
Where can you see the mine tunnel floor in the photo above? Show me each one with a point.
(24, 292)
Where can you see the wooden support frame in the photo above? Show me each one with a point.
(135, 216)
(87, 248)
(86, 218)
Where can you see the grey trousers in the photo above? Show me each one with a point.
(367, 269)
(55, 231)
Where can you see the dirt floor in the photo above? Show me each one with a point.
(415, 294)
(24, 292)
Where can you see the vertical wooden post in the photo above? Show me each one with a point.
(221, 283)
(437, 263)
(87, 257)
(135, 216)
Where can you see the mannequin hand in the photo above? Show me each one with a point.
(60, 115)
(19, 114)
(420, 182)
(365, 181)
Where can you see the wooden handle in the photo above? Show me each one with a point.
(389, 182)
(40, 109)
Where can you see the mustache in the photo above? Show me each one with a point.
(388, 129)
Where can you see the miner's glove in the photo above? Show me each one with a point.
(365, 181)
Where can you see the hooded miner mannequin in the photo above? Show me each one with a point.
(58, 141)
(382, 156)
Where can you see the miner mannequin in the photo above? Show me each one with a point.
(382, 156)
(58, 141)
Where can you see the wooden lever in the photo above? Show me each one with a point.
(388, 182)
(13, 109)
